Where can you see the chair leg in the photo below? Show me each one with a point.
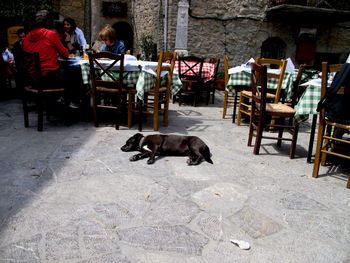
(234, 106)
(130, 108)
(213, 96)
(94, 108)
(40, 112)
(318, 149)
(239, 115)
(326, 145)
(294, 141)
(280, 132)
(140, 106)
(225, 105)
(155, 115)
(251, 131)
(25, 110)
(166, 109)
(259, 134)
(348, 185)
(118, 110)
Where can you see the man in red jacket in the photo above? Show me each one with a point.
(49, 46)
(46, 42)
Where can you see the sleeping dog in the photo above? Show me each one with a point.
(169, 145)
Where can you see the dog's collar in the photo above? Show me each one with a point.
(140, 143)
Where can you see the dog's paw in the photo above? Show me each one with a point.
(133, 158)
(189, 162)
(150, 161)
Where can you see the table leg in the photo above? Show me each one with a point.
(312, 136)
(234, 107)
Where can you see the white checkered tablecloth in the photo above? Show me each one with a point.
(208, 69)
(143, 80)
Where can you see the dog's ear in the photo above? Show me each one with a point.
(138, 135)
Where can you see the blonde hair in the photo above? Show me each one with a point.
(108, 32)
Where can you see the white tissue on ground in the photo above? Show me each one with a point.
(241, 244)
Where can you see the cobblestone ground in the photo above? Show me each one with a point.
(68, 194)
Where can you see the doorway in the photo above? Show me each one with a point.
(273, 47)
(125, 33)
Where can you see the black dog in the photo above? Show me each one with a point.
(169, 145)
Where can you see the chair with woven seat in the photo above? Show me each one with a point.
(331, 126)
(156, 100)
(261, 111)
(246, 95)
(228, 97)
(108, 90)
(190, 73)
(32, 86)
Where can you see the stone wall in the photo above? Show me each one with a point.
(235, 28)
(147, 22)
(73, 9)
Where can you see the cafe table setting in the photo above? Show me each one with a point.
(241, 76)
(208, 69)
(139, 73)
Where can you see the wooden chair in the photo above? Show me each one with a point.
(32, 86)
(261, 110)
(296, 91)
(191, 76)
(157, 99)
(327, 141)
(108, 91)
(228, 97)
(245, 95)
(211, 85)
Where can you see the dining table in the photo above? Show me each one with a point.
(141, 74)
(307, 105)
(208, 69)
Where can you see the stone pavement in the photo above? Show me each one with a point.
(69, 194)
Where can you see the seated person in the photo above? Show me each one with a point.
(75, 39)
(112, 44)
(17, 46)
(48, 44)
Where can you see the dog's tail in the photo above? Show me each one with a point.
(206, 154)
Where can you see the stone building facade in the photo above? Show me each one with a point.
(237, 28)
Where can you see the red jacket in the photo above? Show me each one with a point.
(48, 45)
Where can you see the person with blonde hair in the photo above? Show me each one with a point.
(111, 43)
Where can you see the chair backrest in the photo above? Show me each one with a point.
(168, 57)
(226, 69)
(326, 70)
(29, 69)
(190, 67)
(259, 87)
(101, 73)
(295, 94)
(333, 100)
(215, 61)
(280, 64)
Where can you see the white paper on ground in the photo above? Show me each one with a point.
(241, 244)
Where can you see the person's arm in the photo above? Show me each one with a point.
(62, 51)
(104, 47)
(121, 48)
(80, 37)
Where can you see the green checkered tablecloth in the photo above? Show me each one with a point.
(243, 78)
(143, 80)
(307, 103)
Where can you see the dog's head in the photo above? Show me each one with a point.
(133, 143)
